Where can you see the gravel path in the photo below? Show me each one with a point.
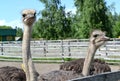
(45, 67)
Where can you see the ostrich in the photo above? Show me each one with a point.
(97, 39)
(97, 66)
(9, 73)
(28, 18)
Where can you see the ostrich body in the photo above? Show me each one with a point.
(8, 73)
(28, 18)
(97, 39)
(59, 75)
(98, 66)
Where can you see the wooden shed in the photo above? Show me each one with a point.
(7, 34)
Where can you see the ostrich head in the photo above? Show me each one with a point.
(28, 17)
(98, 38)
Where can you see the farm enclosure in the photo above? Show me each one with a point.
(61, 49)
(76, 48)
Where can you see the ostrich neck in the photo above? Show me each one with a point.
(89, 58)
(26, 40)
(27, 58)
(26, 49)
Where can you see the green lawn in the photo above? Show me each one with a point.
(49, 60)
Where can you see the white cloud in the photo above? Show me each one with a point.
(2, 22)
(13, 23)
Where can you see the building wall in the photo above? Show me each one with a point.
(7, 38)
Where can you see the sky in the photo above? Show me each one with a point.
(10, 14)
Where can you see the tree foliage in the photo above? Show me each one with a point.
(93, 15)
(116, 25)
(54, 23)
(19, 32)
(116, 29)
(5, 27)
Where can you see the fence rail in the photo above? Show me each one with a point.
(76, 48)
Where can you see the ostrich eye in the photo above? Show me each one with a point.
(34, 14)
(23, 15)
(96, 35)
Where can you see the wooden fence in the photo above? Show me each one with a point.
(76, 48)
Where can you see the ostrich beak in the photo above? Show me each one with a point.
(105, 38)
(30, 15)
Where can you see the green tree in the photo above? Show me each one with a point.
(5, 27)
(116, 17)
(93, 15)
(116, 25)
(116, 29)
(54, 22)
(19, 32)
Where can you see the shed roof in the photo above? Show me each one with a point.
(6, 32)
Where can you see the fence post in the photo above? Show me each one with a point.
(62, 47)
(69, 51)
(1, 48)
(44, 49)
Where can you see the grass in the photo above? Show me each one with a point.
(49, 60)
(34, 59)
(114, 56)
(113, 60)
(4, 57)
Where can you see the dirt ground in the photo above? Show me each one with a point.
(45, 67)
